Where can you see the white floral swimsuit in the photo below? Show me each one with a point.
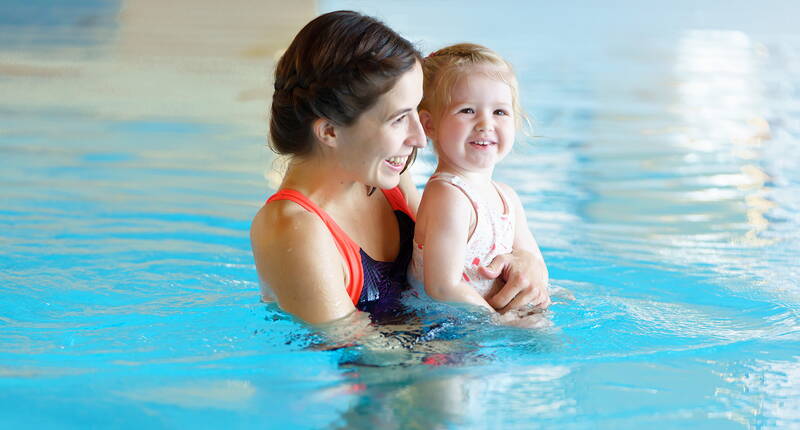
(493, 235)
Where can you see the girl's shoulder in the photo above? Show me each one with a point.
(444, 192)
(451, 182)
(507, 190)
(445, 185)
(512, 199)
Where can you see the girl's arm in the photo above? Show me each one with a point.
(444, 219)
(524, 270)
(296, 255)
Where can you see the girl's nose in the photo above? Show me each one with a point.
(484, 123)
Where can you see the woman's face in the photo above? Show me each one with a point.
(376, 147)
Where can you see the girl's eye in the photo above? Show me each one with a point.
(467, 110)
(501, 112)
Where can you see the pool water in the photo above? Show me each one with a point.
(662, 181)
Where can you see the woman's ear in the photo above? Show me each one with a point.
(324, 131)
(426, 119)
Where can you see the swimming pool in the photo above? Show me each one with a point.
(663, 185)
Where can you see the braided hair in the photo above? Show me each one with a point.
(336, 68)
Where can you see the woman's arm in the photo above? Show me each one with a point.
(524, 270)
(295, 254)
(444, 219)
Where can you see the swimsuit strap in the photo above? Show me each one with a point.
(350, 250)
(463, 186)
(398, 201)
(483, 212)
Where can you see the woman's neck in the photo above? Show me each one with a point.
(321, 181)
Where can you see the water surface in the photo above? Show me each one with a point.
(662, 185)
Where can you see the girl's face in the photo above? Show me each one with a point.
(376, 147)
(476, 130)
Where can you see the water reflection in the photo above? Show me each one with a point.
(436, 398)
(224, 394)
(776, 385)
(720, 99)
(682, 150)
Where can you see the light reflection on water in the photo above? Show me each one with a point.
(662, 186)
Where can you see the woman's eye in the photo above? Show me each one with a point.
(400, 119)
(467, 110)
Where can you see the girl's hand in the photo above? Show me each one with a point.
(526, 281)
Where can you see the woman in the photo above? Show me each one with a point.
(345, 111)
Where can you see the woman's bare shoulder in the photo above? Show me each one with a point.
(283, 219)
(283, 229)
(297, 257)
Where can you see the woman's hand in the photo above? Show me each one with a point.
(526, 281)
(525, 318)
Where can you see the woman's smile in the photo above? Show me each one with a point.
(396, 163)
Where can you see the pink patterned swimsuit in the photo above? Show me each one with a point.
(493, 235)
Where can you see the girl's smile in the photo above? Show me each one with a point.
(477, 129)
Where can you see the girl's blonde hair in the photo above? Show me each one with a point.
(443, 69)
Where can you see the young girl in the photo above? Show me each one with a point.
(470, 111)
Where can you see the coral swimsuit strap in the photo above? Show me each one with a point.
(350, 250)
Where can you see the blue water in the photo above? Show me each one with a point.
(662, 182)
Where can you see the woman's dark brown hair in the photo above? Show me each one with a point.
(336, 67)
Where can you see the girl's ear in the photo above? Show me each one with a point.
(426, 119)
(324, 131)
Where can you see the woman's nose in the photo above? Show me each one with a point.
(417, 136)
